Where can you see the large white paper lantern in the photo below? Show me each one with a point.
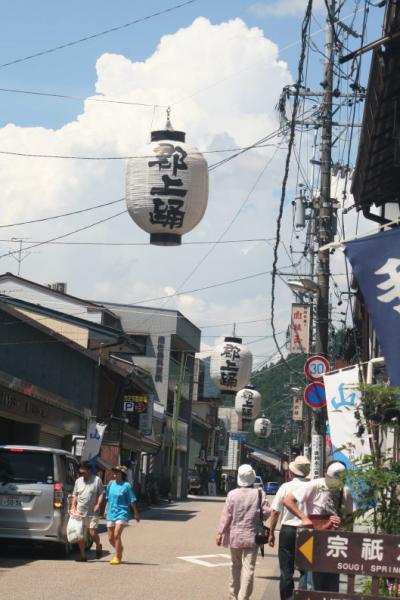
(248, 403)
(262, 428)
(230, 365)
(167, 188)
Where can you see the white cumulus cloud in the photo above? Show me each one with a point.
(222, 82)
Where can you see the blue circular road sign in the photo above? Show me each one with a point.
(314, 395)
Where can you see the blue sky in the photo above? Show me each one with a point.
(28, 27)
(240, 109)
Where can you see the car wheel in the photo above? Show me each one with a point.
(62, 550)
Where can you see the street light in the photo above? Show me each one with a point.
(303, 285)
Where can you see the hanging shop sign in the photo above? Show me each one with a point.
(297, 411)
(300, 329)
(315, 368)
(230, 365)
(167, 188)
(136, 404)
(317, 455)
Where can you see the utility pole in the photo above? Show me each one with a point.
(324, 231)
(325, 213)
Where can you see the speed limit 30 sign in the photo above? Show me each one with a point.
(315, 368)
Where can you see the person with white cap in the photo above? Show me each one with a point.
(299, 469)
(323, 503)
(237, 530)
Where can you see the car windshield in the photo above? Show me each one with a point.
(24, 466)
(258, 479)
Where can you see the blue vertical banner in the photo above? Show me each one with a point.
(375, 260)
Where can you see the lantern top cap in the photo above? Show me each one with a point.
(235, 340)
(168, 133)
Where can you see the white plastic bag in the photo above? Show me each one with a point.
(75, 530)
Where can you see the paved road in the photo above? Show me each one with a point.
(169, 555)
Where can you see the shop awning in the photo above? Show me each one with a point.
(267, 457)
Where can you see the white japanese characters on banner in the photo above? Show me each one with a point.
(300, 329)
(343, 401)
(94, 438)
(297, 413)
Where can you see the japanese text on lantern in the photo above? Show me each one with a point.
(248, 404)
(300, 329)
(168, 197)
(229, 370)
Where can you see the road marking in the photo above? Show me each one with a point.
(197, 560)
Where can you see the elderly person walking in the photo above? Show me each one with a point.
(299, 469)
(237, 530)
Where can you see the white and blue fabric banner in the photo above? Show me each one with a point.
(375, 260)
(94, 438)
(344, 406)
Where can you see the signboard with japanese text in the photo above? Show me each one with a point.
(344, 406)
(239, 437)
(348, 553)
(160, 358)
(133, 403)
(317, 455)
(300, 329)
(297, 413)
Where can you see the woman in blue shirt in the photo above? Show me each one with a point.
(121, 502)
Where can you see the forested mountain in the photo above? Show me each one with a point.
(273, 383)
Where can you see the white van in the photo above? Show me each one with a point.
(35, 489)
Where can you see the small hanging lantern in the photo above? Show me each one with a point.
(262, 428)
(248, 403)
(167, 188)
(230, 365)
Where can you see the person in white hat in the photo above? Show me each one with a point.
(322, 504)
(237, 530)
(299, 469)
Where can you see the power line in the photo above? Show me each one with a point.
(80, 98)
(96, 35)
(239, 151)
(86, 227)
(123, 244)
(206, 287)
(232, 221)
(67, 214)
(305, 28)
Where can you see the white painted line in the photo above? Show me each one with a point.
(205, 563)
